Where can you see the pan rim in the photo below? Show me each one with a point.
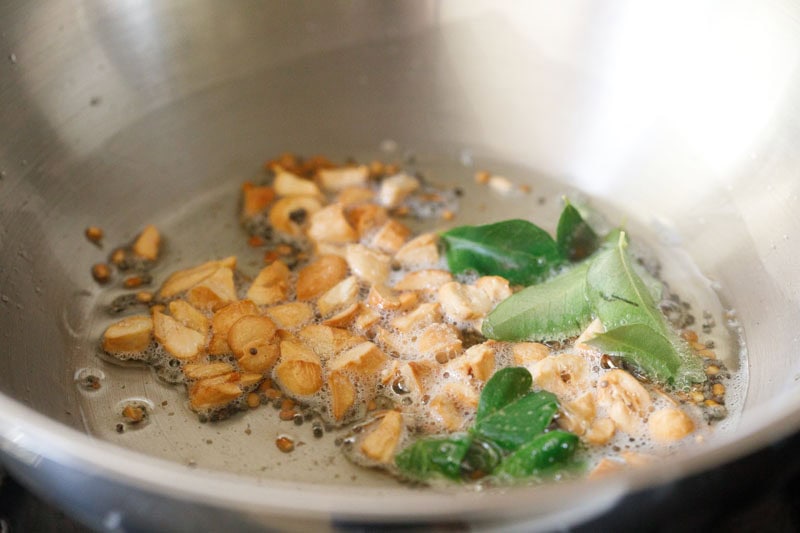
(28, 435)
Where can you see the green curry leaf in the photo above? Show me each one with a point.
(434, 457)
(618, 294)
(575, 238)
(507, 385)
(541, 455)
(518, 422)
(481, 458)
(621, 299)
(509, 417)
(517, 250)
(642, 347)
(611, 287)
(553, 310)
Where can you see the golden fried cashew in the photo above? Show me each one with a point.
(290, 214)
(564, 375)
(180, 341)
(381, 442)
(419, 252)
(626, 401)
(463, 302)
(187, 278)
(669, 425)
(271, 285)
(131, 334)
(577, 416)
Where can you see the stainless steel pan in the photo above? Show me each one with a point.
(681, 116)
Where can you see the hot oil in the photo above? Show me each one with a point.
(207, 228)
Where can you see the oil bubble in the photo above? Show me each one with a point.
(89, 379)
(134, 413)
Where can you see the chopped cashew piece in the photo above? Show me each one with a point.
(299, 370)
(577, 416)
(495, 287)
(341, 295)
(424, 280)
(363, 360)
(440, 341)
(600, 432)
(424, 315)
(390, 372)
(290, 213)
(250, 335)
(447, 412)
(392, 342)
(291, 315)
(564, 375)
(365, 217)
(271, 285)
(368, 264)
(526, 353)
(625, 399)
(131, 334)
(477, 361)
(215, 291)
(189, 316)
(669, 425)
(463, 302)
(408, 300)
(419, 252)
(452, 403)
(214, 392)
(606, 466)
(222, 321)
(147, 244)
(384, 298)
(365, 318)
(338, 179)
(344, 317)
(327, 248)
(415, 375)
(636, 458)
(327, 341)
(220, 390)
(320, 276)
(343, 394)
(355, 196)
(180, 341)
(381, 443)
(256, 198)
(395, 189)
(330, 225)
(248, 379)
(391, 236)
(185, 279)
(262, 361)
(206, 370)
(288, 184)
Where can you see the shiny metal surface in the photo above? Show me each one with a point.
(682, 115)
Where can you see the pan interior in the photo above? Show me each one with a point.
(200, 223)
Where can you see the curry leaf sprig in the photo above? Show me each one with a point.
(518, 250)
(507, 441)
(597, 280)
(608, 287)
